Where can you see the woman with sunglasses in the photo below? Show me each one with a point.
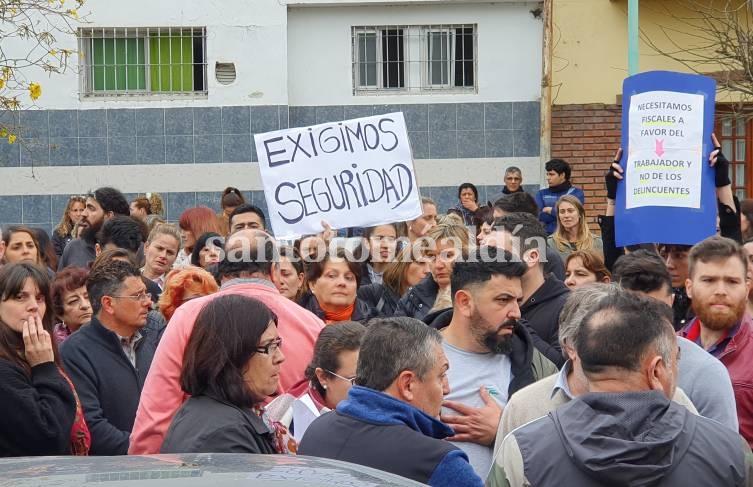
(230, 366)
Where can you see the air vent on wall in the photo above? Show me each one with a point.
(225, 73)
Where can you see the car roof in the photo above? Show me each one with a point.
(189, 470)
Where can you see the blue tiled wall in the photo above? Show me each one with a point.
(225, 134)
(44, 211)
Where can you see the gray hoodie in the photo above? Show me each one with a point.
(622, 439)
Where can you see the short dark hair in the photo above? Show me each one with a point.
(715, 249)
(409, 344)
(201, 242)
(621, 329)
(315, 268)
(642, 271)
(334, 339)
(110, 199)
(67, 280)
(559, 166)
(106, 280)
(486, 263)
(252, 258)
(227, 333)
(512, 170)
(122, 231)
(520, 202)
(526, 227)
(470, 186)
(248, 208)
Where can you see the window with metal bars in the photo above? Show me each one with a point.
(414, 58)
(143, 61)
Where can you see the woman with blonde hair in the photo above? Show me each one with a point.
(442, 246)
(407, 270)
(572, 232)
(63, 232)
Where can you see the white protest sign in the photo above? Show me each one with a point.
(353, 173)
(665, 163)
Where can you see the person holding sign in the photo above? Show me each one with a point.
(675, 256)
(572, 231)
(558, 178)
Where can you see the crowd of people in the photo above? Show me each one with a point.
(496, 342)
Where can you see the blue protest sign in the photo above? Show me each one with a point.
(668, 194)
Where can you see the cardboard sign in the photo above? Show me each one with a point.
(354, 173)
(668, 195)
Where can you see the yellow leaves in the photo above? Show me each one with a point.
(72, 12)
(3, 132)
(2, 83)
(7, 72)
(35, 90)
(12, 139)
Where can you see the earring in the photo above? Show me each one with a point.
(324, 386)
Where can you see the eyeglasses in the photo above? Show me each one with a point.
(270, 347)
(352, 380)
(138, 297)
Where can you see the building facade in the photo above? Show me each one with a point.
(589, 63)
(168, 95)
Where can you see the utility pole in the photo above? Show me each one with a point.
(632, 37)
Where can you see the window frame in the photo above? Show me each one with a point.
(416, 73)
(87, 36)
(740, 130)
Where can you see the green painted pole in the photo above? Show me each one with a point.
(632, 37)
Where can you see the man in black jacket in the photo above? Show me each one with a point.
(543, 295)
(108, 360)
(101, 205)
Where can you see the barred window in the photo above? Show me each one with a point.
(143, 61)
(414, 58)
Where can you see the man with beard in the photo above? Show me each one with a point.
(718, 287)
(101, 205)
(543, 294)
(490, 351)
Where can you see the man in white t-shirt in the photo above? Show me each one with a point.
(491, 353)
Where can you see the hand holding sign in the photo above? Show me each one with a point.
(720, 164)
(667, 194)
(613, 175)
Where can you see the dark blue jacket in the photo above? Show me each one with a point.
(548, 198)
(108, 386)
(376, 430)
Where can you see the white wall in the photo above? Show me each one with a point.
(319, 51)
(250, 33)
